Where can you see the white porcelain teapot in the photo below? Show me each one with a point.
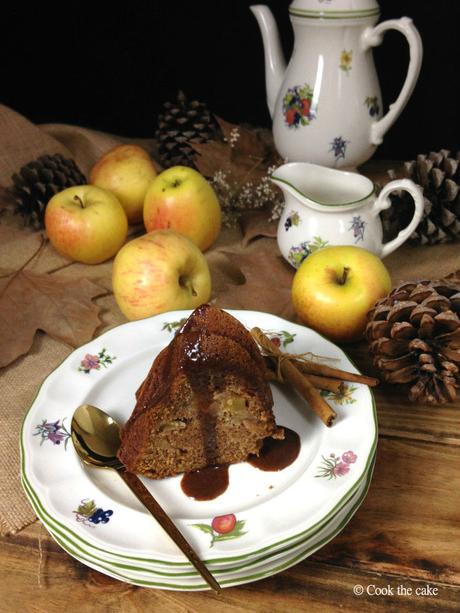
(325, 207)
(326, 105)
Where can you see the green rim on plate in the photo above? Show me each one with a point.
(235, 581)
(80, 542)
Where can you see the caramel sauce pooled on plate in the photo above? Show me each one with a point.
(205, 484)
(209, 483)
(277, 454)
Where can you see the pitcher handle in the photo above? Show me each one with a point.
(373, 37)
(383, 202)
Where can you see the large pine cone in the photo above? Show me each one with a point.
(38, 181)
(181, 123)
(439, 176)
(414, 336)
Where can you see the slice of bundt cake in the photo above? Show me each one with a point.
(205, 401)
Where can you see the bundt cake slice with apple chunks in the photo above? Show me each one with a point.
(205, 401)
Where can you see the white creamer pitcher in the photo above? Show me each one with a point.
(326, 105)
(326, 207)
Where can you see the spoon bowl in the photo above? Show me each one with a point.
(96, 436)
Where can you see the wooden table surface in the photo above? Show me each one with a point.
(405, 538)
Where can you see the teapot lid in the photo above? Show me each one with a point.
(334, 9)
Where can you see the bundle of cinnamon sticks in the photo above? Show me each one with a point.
(306, 376)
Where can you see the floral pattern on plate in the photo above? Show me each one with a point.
(94, 362)
(281, 338)
(52, 431)
(344, 395)
(90, 514)
(336, 466)
(174, 326)
(223, 528)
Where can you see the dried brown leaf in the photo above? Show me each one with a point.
(245, 154)
(57, 305)
(213, 156)
(248, 144)
(268, 280)
(217, 156)
(256, 224)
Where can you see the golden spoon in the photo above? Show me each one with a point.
(96, 438)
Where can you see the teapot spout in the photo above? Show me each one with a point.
(275, 64)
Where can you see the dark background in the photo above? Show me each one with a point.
(110, 68)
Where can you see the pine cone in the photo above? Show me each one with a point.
(38, 181)
(439, 176)
(414, 336)
(181, 123)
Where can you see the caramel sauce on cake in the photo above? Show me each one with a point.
(206, 401)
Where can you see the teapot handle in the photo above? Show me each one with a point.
(383, 202)
(373, 37)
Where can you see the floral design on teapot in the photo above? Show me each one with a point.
(339, 147)
(299, 253)
(357, 225)
(297, 109)
(345, 60)
(293, 219)
(372, 104)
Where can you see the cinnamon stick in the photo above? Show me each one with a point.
(322, 383)
(303, 386)
(324, 411)
(315, 368)
(325, 383)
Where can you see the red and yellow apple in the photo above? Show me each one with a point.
(181, 199)
(335, 287)
(157, 272)
(126, 171)
(86, 224)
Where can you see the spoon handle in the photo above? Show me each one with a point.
(143, 494)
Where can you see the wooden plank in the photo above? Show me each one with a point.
(60, 583)
(403, 419)
(409, 524)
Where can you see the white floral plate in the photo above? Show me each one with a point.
(260, 511)
(139, 574)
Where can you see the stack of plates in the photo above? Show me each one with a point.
(263, 523)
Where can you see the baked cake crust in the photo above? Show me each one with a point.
(205, 401)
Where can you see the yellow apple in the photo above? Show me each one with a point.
(334, 289)
(157, 272)
(127, 171)
(86, 224)
(181, 199)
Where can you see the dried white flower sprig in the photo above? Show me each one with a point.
(239, 168)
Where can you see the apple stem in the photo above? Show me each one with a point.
(185, 283)
(343, 280)
(80, 201)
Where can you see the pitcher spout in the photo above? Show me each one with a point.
(275, 64)
(286, 178)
